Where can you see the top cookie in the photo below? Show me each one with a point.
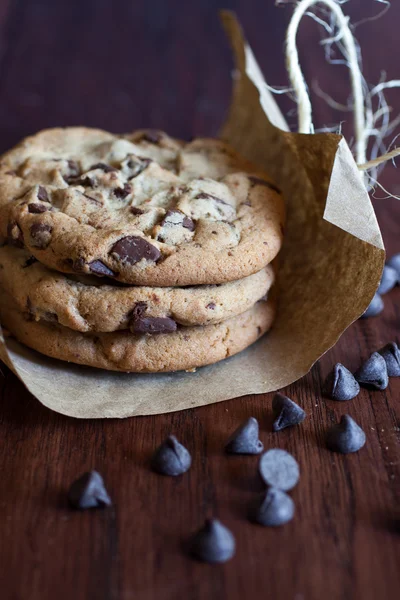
(142, 208)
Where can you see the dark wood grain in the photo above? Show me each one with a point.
(165, 63)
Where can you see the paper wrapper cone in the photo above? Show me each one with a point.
(330, 267)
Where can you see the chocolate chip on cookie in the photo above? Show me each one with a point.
(15, 237)
(153, 325)
(136, 211)
(42, 194)
(99, 268)
(36, 208)
(104, 167)
(41, 235)
(132, 249)
(123, 192)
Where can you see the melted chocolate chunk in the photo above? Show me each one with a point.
(153, 325)
(138, 310)
(15, 237)
(131, 249)
(268, 184)
(42, 194)
(104, 167)
(123, 192)
(211, 305)
(204, 196)
(41, 235)
(99, 268)
(37, 208)
(136, 211)
(186, 222)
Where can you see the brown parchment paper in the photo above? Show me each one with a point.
(330, 267)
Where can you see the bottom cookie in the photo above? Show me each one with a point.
(184, 349)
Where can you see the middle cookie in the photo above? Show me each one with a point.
(84, 303)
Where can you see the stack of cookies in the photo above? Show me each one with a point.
(135, 253)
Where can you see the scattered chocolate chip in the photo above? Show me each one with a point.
(89, 492)
(153, 325)
(36, 208)
(272, 508)
(394, 262)
(152, 136)
(213, 543)
(73, 168)
(42, 194)
(389, 279)
(171, 458)
(123, 192)
(373, 373)
(391, 356)
(286, 412)
(103, 167)
(346, 436)
(341, 384)
(99, 268)
(214, 233)
(15, 237)
(375, 308)
(138, 165)
(131, 249)
(211, 305)
(136, 211)
(29, 261)
(244, 440)
(41, 235)
(268, 184)
(204, 196)
(83, 181)
(177, 217)
(279, 469)
(138, 310)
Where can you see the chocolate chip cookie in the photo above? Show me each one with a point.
(185, 348)
(142, 209)
(86, 303)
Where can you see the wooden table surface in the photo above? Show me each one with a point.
(166, 64)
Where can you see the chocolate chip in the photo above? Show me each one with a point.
(204, 196)
(73, 167)
(244, 440)
(279, 469)
(375, 308)
(346, 436)
(391, 356)
(138, 310)
(15, 237)
(213, 543)
(36, 208)
(341, 384)
(123, 192)
(171, 458)
(83, 181)
(99, 268)
(138, 165)
(268, 184)
(42, 194)
(373, 373)
(390, 278)
(41, 235)
(103, 167)
(286, 412)
(177, 217)
(136, 211)
(152, 136)
(394, 262)
(29, 261)
(89, 492)
(153, 325)
(131, 249)
(211, 305)
(272, 508)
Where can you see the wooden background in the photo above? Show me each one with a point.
(166, 64)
